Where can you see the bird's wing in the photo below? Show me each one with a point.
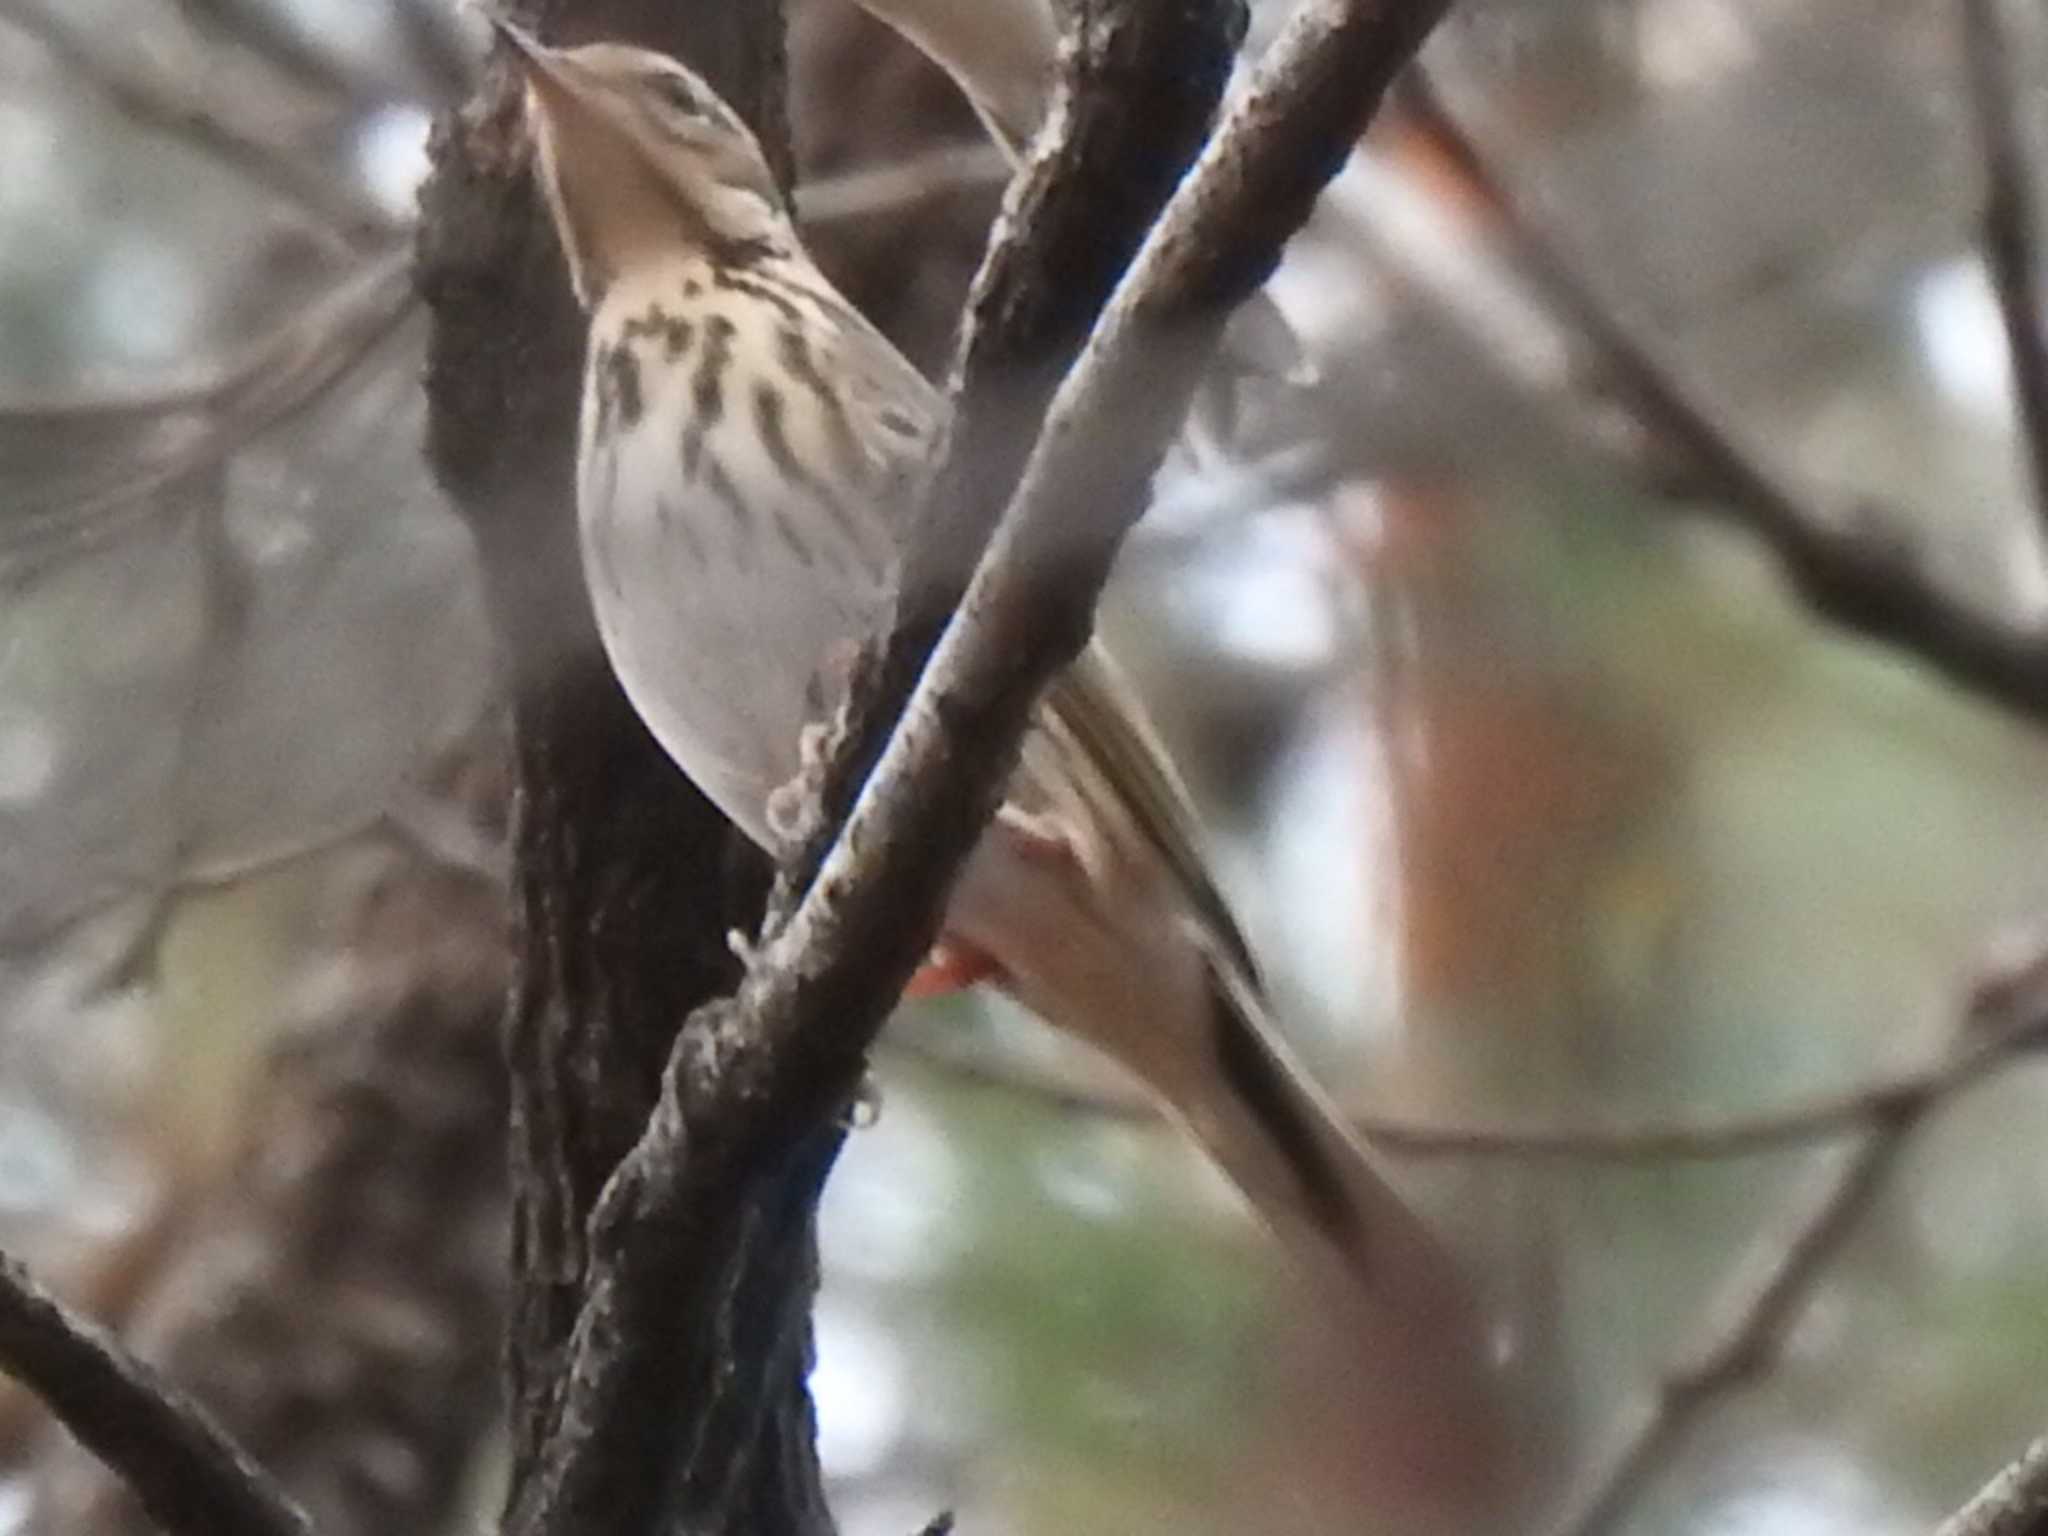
(1092, 705)
(1088, 709)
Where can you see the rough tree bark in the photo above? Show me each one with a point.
(660, 1333)
(335, 1301)
(625, 880)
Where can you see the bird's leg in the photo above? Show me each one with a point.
(955, 964)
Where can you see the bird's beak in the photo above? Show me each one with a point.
(543, 67)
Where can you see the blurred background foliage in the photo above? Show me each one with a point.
(1547, 803)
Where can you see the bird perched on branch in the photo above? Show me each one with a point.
(749, 451)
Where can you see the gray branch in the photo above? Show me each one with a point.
(1849, 566)
(2014, 1503)
(191, 1477)
(1771, 1288)
(2011, 228)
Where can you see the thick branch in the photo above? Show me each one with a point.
(189, 1475)
(848, 948)
(2014, 1503)
(625, 879)
(1853, 570)
(746, 1128)
(2011, 229)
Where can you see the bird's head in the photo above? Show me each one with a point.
(639, 159)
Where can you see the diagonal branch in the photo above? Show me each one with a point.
(1749, 1324)
(1847, 568)
(334, 204)
(2011, 228)
(2014, 1503)
(1031, 603)
(1826, 1117)
(754, 1085)
(143, 444)
(189, 1475)
(750, 1078)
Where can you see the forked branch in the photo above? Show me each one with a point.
(1771, 1288)
(1851, 567)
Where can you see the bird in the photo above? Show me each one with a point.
(748, 454)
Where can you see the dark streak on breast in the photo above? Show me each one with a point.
(769, 411)
(619, 388)
(768, 293)
(719, 483)
(674, 332)
(730, 254)
(674, 521)
(794, 350)
(707, 389)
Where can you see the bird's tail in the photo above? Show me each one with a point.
(1259, 1115)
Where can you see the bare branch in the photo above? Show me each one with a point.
(336, 1291)
(2011, 229)
(1851, 568)
(435, 50)
(750, 1079)
(889, 188)
(160, 104)
(2014, 1503)
(1823, 1118)
(191, 1477)
(1748, 1326)
(278, 377)
(755, 1084)
(266, 31)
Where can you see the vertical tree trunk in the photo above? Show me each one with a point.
(626, 881)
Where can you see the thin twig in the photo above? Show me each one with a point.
(427, 32)
(1823, 1118)
(901, 184)
(1853, 569)
(188, 1474)
(336, 205)
(275, 379)
(2014, 1503)
(2011, 228)
(1750, 1322)
(266, 31)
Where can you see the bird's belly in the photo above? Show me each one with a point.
(726, 644)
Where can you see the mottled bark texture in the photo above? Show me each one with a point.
(625, 880)
(335, 1302)
(660, 1323)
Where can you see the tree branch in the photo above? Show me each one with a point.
(1748, 1326)
(886, 189)
(751, 1075)
(1825, 1117)
(128, 447)
(2014, 1503)
(749, 1112)
(189, 1475)
(625, 879)
(333, 203)
(2011, 229)
(337, 1290)
(1851, 569)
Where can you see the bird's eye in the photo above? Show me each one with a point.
(678, 93)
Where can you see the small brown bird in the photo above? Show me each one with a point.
(747, 443)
